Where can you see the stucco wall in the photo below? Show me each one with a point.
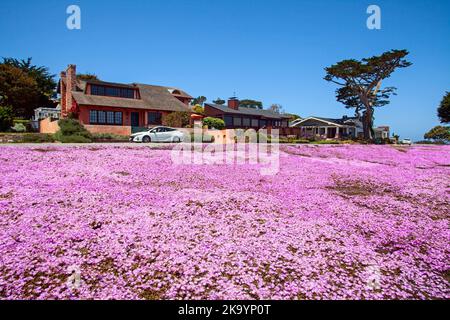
(48, 126)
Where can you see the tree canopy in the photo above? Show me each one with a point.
(24, 86)
(178, 119)
(219, 101)
(360, 82)
(276, 108)
(87, 76)
(199, 100)
(444, 109)
(249, 103)
(18, 90)
(439, 134)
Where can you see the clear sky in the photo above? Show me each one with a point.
(273, 51)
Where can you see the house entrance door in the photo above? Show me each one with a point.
(135, 119)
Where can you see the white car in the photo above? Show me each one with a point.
(158, 134)
(406, 141)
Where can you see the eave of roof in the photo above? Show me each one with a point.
(334, 122)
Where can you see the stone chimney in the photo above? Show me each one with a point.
(71, 84)
(233, 103)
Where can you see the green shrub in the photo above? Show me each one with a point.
(108, 136)
(198, 109)
(37, 138)
(179, 119)
(301, 141)
(326, 142)
(74, 139)
(71, 131)
(205, 137)
(19, 127)
(214, 123)
(6, 118)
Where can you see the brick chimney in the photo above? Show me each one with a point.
(71, 84)
(233, 103)
(62, 85)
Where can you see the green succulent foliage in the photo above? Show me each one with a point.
(19, 127)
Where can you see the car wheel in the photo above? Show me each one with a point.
(176, 139)
(146, 139)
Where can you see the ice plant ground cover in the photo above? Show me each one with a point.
(337, 222)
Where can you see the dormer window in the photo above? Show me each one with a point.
(99, 90)
(174, 91)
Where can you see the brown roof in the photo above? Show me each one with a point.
(152, 97)
(248, 111)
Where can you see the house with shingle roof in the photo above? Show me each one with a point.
(329, 128)
(236, 116)
(108, 107)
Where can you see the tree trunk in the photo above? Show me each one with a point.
(368, 123)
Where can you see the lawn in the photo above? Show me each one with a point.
(337, 222)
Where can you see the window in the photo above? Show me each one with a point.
(228, 121)
(154, 118)
(98, 90)
(262, 123)
(246, 122)
(93, 116)
(114, 92)
(101, 117)
(255, 123)
(110, 117)
(237, 121)
(105, 117)
(118, 118)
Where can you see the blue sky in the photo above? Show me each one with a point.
(269, 50)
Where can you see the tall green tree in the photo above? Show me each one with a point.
(360, 83)
(26, 86)
(439, 134)
(444, 109)
(44, 79)
(199, 100)
(18, 90)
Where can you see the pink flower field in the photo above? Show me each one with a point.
(337, 222)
